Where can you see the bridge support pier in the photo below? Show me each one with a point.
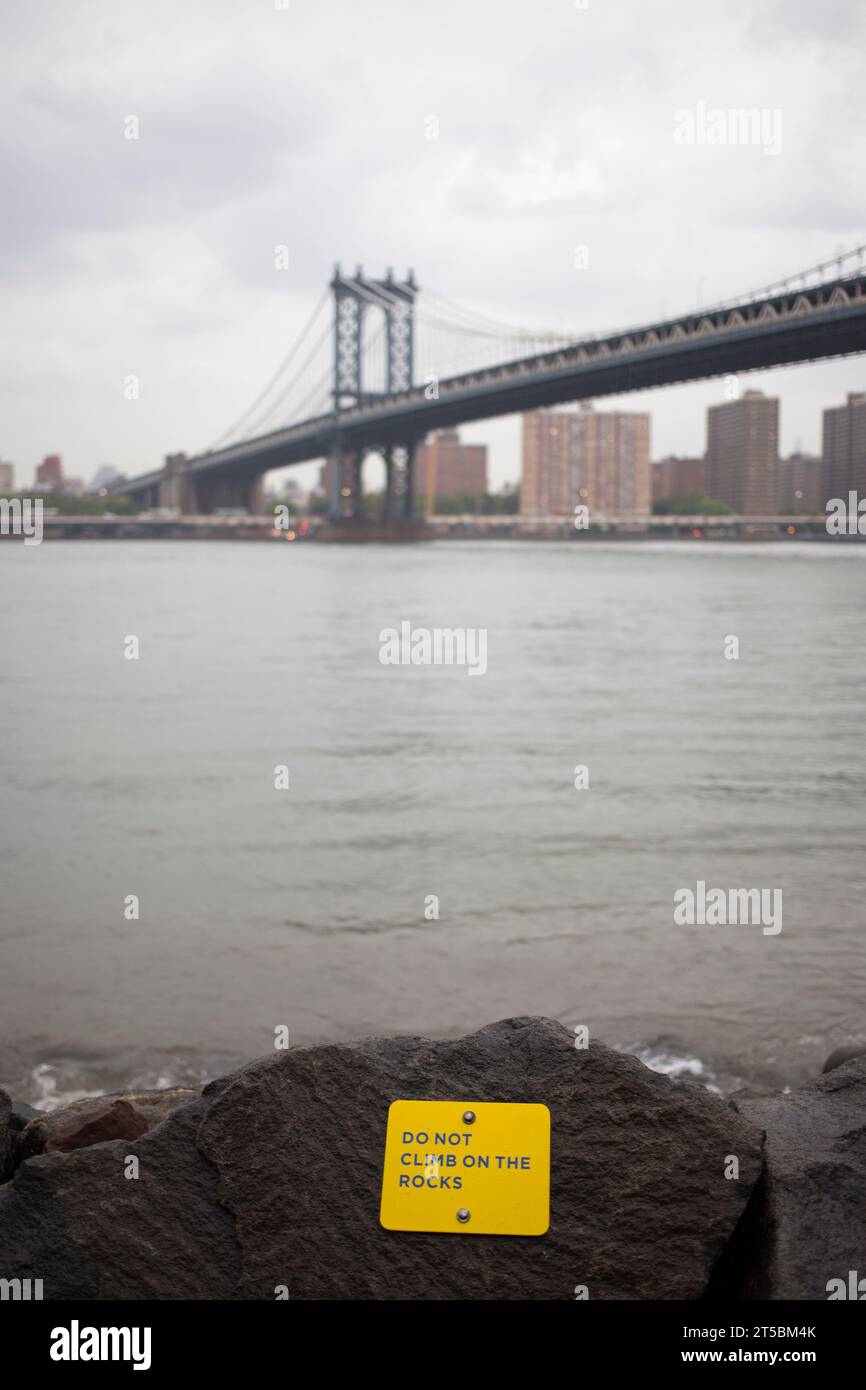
(388, 493)
(409, 481)
(399, 498)
(176, 488)
(344, 483)
(180, 490)
(356, 484)
(334, 480)
(396, 520)
(230, 493)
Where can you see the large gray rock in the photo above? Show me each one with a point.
(77, 1222)
(807, 1220)
(273, 1180)
(640, 1207)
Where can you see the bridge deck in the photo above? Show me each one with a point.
(796, 326)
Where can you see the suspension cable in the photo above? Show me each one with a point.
(227, 434)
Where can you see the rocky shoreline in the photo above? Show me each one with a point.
(266, 1184)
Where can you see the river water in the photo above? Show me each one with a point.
(311, 907)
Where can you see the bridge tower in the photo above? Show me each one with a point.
(354, 297)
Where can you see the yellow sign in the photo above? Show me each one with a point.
(467, 1167)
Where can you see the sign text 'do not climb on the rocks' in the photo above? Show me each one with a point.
(467, 1168)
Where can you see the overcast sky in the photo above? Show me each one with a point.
(307, 126)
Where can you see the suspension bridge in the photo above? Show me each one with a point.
(380, 363)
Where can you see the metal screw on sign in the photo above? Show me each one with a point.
(463, 1214)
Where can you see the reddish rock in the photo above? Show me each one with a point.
(97, 1119)
(118, 1120)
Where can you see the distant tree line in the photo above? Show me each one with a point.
(65, 504)
(478, 504)
(691, 506)
(456, 504)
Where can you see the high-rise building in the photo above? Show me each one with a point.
(444, 467)
(7, 478)
(547, 484)
(742, 453)
(49, 474)
(678, 477)
(612, 472)
(798, 485)
(844, 449)
(598, 458)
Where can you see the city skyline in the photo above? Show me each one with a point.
(838, 463)
(800, 431)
